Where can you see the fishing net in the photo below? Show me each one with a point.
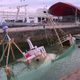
(63, 65)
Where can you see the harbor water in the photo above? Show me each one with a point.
(52, 71)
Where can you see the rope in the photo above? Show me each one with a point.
(17, 47)
(13, 53)
(3, 52)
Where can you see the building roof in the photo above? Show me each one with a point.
(63, 9)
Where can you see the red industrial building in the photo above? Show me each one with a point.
(68, 11)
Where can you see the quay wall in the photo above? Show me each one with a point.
(38, 33)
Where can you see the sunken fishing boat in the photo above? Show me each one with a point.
(34, 63)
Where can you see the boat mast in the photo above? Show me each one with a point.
(18, 9)
(76, 15)
(52, 24)
(7, 43)
(56, 33)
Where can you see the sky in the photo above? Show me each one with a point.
(35, 4)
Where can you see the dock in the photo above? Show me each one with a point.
(21, 33)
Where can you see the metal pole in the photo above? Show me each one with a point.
(55, 30)
(18, 9)
(56, 33)
(9, 44)
(25, 12)
(4, 50)
(13, 53)
(75, 15)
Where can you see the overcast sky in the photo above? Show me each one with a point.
(34, 4)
